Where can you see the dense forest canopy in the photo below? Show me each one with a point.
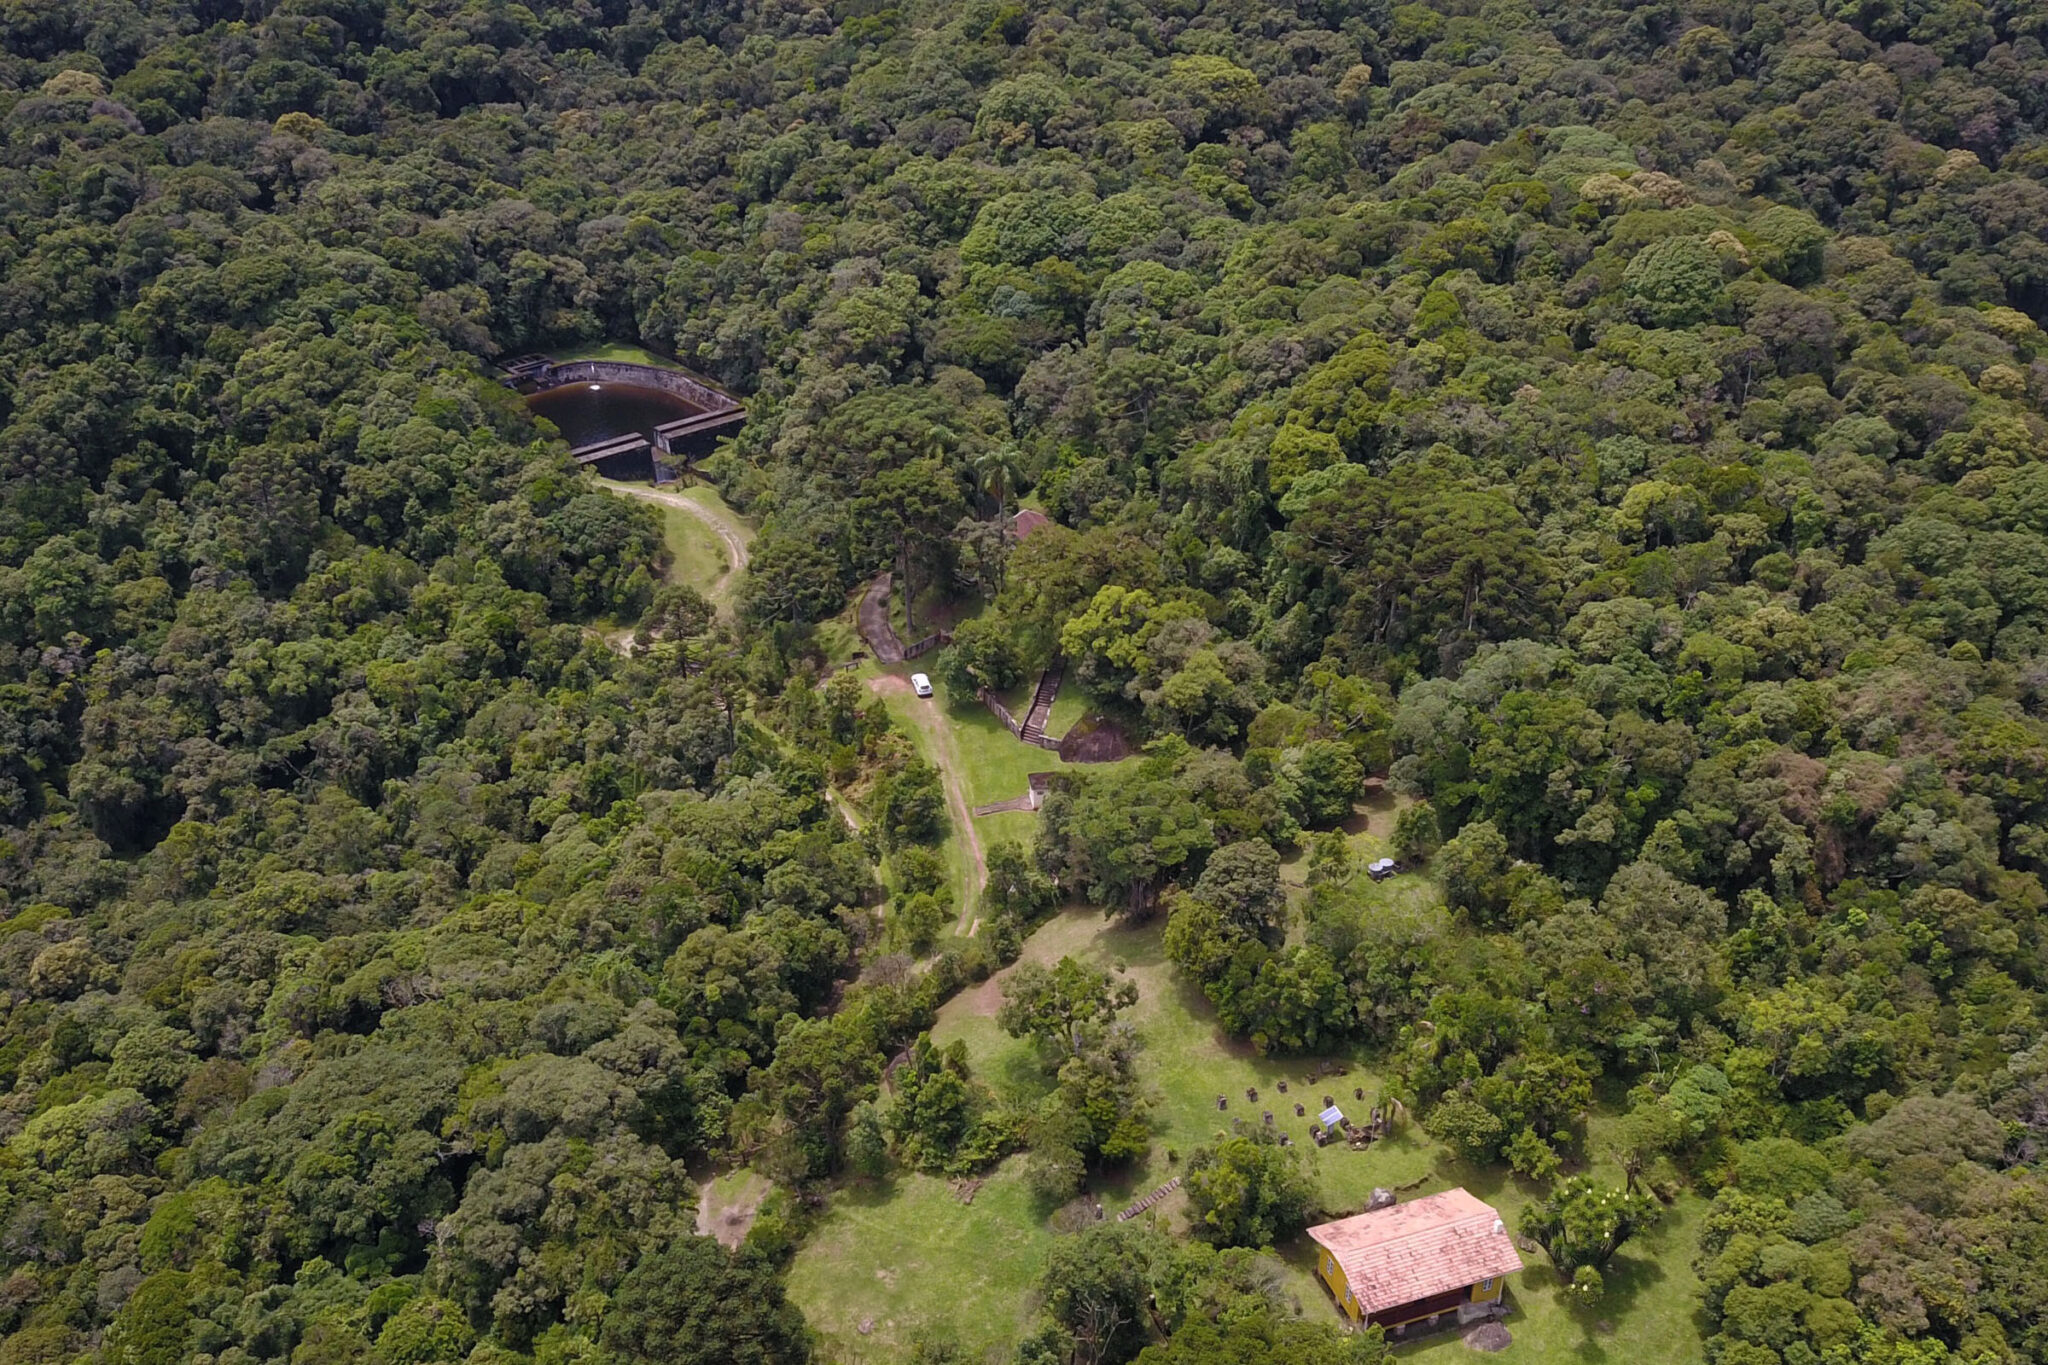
(1623, 427)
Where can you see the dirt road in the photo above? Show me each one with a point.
(730, 530)
(874, 621)
(925, 715)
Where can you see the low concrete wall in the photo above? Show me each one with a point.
(698, 395)
(1002, 712)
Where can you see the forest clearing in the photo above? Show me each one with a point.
(908, 1257)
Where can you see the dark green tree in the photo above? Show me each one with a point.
(694, 1303)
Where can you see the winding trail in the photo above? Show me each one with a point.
(943, 750)
(734, 533)
(840, 804)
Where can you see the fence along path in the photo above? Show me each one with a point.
(1041, 702)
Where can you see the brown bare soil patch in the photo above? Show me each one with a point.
(728, 1216)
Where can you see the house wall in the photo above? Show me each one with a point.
(1434, 1305)
(1340, 1288)
(1486, 1291)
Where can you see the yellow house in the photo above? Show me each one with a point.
(1415, 1262)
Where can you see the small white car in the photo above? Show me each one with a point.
(920, 684)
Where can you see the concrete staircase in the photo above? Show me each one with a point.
(1149, 1200)
(1042, 700)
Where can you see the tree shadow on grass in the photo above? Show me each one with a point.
(1018, 1074)
(1489, 1182)
(1373, 813)
(1299, 1253)
(1140, 944)
(870, 1194)
(1629, 1282)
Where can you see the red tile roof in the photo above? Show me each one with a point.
(1411, 1251)
(1029, 520)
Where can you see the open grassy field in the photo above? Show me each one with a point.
(696, 556)
(1186, 1064)
(914, 1258)
(908, 1258)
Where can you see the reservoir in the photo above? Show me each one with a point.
(589, 413)
(625, 419)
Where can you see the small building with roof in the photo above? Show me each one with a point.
(1415, 1262)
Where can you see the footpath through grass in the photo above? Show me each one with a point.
(699, 556)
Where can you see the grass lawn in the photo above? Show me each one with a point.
(1072, 703)
(838, 639)
(898, 1256)
(697, 555)
(909, 1257)
(996, 765)
(1650, 1314)
(614, 350)
(1017, 700)
(1068, 707)
(1186, 1063)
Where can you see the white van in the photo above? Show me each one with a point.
(920, 684)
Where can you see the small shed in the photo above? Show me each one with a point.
(1415, 1262)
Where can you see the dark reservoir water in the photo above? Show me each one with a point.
(598, 412)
